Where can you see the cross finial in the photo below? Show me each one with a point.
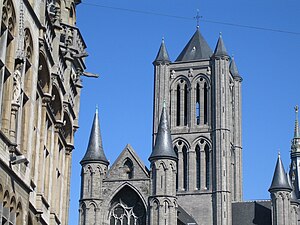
(198, 17)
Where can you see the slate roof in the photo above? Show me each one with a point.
(162, 55)
(280, 181)
(196, 49)
(233, 69)
(250, 213)
(183, 218)
(163, 145)
(94, 152)
(220, 48)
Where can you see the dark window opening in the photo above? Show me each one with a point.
(206, 149)
(185, 104)
(178, 106)
(185, 167)
(198, 104)
(205, 103)
(198, 168)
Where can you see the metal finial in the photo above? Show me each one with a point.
(164, 103)
(220, 34)
(279, 153)
(198, 17)
(97, 108)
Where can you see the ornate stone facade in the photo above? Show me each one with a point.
(41, 60)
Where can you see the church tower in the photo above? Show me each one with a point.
(162, 200)
(94, 167)
(202, 90)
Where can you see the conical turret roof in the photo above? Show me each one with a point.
(220, 48)
(280, 181)
(233, 69)
(163, 145)
(293, 194)
(196, 49)
(94, 152)
(162, 55)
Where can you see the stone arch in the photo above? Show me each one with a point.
(72, 15)
(198, 76)
(28, 45)
(82, 213)
(127, 206)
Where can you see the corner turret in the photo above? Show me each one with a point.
(162, 55)
(94, 152)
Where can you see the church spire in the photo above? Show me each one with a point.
(94, 152)
(163, 145)
(279, 181)
(162, 55)
(220, 48)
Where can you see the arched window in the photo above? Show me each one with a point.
(127, 208)
(202, 101)
(82, 214)
(155, 209)
(185, 167)
(182, 103)
(128, 168)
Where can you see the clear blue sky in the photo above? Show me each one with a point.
(122, 45)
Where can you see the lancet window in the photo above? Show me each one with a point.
(201, 101)
(202, 165)
(182, 102)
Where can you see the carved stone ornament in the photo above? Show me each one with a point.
(190, 73)
(173, 74)
(17, 84)
(208, 71)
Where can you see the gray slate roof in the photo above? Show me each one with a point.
(280, 181)
(250, 213)
(162, 55)
(233, 69)
(220, 48)
(94, 152)
(196, 49)
(184, 218)
(163, 145)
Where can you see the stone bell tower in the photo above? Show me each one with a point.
(202, 90)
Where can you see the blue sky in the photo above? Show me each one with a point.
(122, 45)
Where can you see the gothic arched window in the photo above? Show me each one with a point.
(182, 103)
(201, 103)
(127, 208)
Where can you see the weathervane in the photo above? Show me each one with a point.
(198, 17)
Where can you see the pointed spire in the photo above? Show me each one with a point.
(162, 55)
(220, 48)
(280, 181)
(233, 69)
(163, 145)
(196, 49)
(296, 131)
(94, 152)
(293, 194)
